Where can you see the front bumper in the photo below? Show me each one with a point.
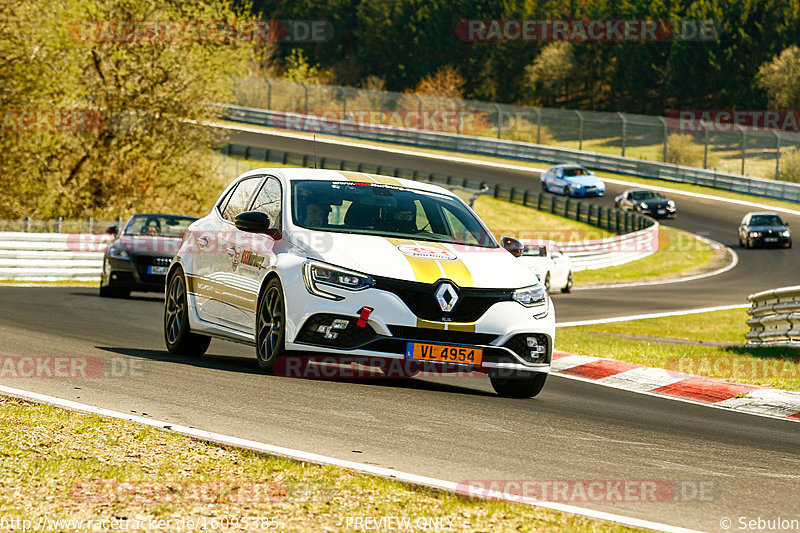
(587, 192)
(392, 325)
(133, 273)
(657, 212)
(771, 240)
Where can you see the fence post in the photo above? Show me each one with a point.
(744, 140)
(305, 98)
(91, 225)
(458, 117)
(26, 226)
(666, 136)
(499, 120)
(777, 154)
(269, 93)
(580, 129)
(624, 132)
(419, 110)
(538, 125)
(705, 151)
(59, 222)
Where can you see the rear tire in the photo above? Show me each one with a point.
(177, 335)
(519, 387)
(270, 325)
(547, 282)
(568, 287)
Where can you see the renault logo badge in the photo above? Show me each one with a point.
(447, 297)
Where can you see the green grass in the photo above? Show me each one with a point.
(675, 343)
(60, 464)
(678, 253)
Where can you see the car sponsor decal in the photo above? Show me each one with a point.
(423, 251)
(468, 327)
(432, 270)
(208, 288)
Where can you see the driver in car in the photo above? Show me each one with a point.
(403, 219)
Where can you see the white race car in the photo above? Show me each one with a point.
(352, 264)
(550, 264)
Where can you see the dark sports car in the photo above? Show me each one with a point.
(764, 229)
(139, 256)
(648, 202)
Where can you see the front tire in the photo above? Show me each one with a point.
(567, 191)
(519, 387)
(547, 282)
(568, 287)
(177, 335)
(270, 325)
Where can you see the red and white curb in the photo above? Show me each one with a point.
(679, 385)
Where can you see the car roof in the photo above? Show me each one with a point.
(643, 190)
(318, 174)
(569, 165)
(751, 213)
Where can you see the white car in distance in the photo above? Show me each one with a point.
(552, 266)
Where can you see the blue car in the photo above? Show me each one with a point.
(572, 180)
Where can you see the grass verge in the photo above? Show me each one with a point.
(679, 254)
(706, 344)
(62, 465)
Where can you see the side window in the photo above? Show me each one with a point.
(458, 229)
(239, 198)
(268, 200)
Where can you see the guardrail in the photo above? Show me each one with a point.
(515, 150)
(775, 318)
(49, 257)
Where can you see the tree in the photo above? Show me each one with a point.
(551, 72)
(445, 82)
(111, 104)
(780, 79)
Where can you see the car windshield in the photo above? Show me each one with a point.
(158, 225)
(385, 210)
(576, 171)
(766, 220)
(645, 195)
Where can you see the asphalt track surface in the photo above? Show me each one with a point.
(726, 464)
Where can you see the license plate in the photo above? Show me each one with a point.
(662, 211)
(445, 354)
(157, 270)
(770, 239)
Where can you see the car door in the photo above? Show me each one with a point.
(250, 256)
(230, 302)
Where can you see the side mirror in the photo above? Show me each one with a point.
(252, 221)
(786, 224)
(112, 230)
(512, 245)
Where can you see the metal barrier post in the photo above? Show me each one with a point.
(580, 129)
(624, 132)
(666, 136)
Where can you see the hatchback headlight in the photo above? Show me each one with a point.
(643, 205)
(786, 233)
(317, 274)
(671, 204)
(532, 296)
(118, 252)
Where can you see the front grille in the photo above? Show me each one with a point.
(144, 261)
(519, 345)
(419, 297)
(350, 337)
(440, 335)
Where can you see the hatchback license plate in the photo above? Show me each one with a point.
(444, 354)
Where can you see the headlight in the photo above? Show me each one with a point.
(786, 233)
(118, 252)
(317, 274)
(755, 234)
(670, 203)
(643, 205)
(532, 296)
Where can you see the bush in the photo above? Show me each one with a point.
(682, 150)
(790, 165)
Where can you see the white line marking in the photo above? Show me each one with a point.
(652, 315)
(494, 164)
(299, 455)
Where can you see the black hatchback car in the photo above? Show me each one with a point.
(764, 229)
(139, 256)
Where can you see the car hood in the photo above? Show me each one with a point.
(147, 245)
(421, 261)
(586, 181)
(659, 202)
